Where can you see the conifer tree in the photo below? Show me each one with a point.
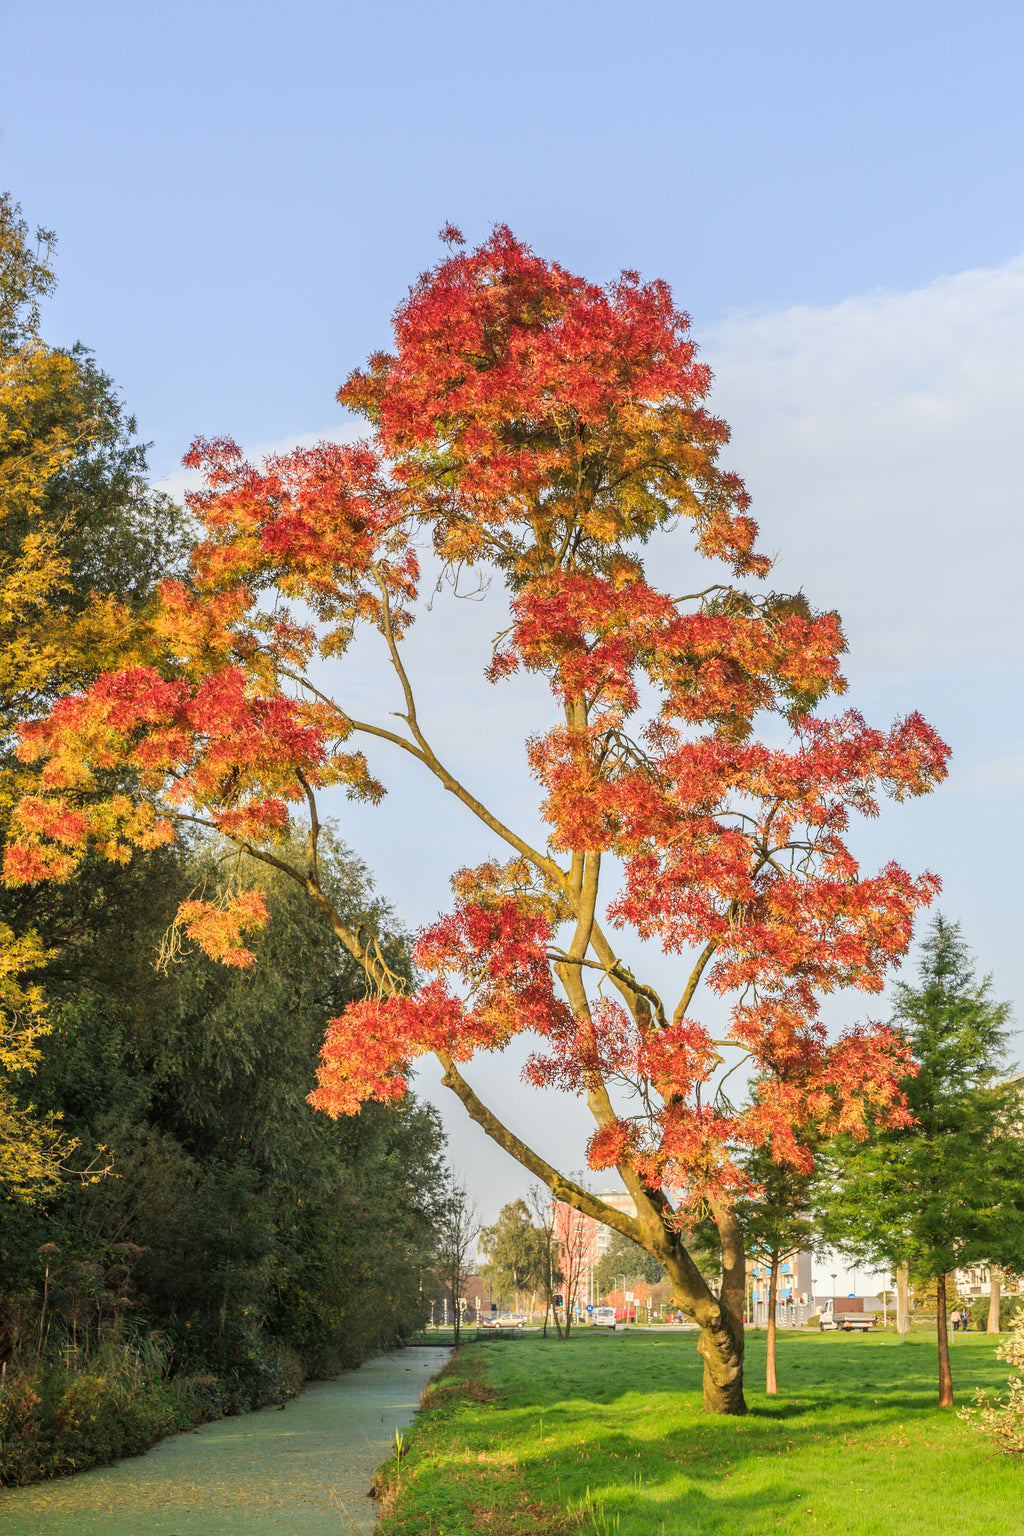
(948, 1189)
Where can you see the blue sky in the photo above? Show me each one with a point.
(243, 193)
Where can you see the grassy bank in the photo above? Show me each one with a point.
(605, 1434)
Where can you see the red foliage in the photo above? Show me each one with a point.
(536, 424)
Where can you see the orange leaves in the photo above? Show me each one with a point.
(367, 1051)
(745, 849)
(214, 746)
(498, 952)
(199, 632)
(218, 928)
(597, 636)
(50, 836)
(320, 524)
(523, 401)
(498, 956)
(603, 1042)
(822, 1090)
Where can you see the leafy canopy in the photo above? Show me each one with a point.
(536, 426)
(514, 1251)
(943, 1191)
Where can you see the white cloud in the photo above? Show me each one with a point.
(881, 440)
(1003, 775)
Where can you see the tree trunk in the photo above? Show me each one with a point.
(902, 1299)
(721, 1347)
(771, 1384)
(720, 1319)
(945, 1374)
(994, 1296)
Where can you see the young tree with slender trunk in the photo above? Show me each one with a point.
(539, 430)
(573, 1234)
(775, 1221)
(457, 1226)
(946, 1190)
(543, 1208)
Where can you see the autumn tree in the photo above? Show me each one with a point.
(82, 539)
(536, 429)
(946, 1189)
(36, 443)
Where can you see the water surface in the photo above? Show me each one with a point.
(305, 1470)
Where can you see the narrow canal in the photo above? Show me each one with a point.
(303, 1471)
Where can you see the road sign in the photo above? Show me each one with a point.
(589, 1307)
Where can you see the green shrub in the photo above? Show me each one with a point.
(102, 1417)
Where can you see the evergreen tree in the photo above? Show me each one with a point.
(947, 1189)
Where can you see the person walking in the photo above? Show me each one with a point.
(954, 1318)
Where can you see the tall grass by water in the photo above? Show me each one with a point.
(606, 1434)
(65, 1414)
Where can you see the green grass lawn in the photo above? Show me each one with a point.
(606, 1434)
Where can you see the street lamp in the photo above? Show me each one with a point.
(833, 1293)
(624, 1307)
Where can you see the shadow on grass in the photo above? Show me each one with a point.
(615, 1424)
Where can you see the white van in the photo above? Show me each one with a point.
(603, 1317)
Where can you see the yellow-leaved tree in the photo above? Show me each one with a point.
(82, 540)
(36, 442)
